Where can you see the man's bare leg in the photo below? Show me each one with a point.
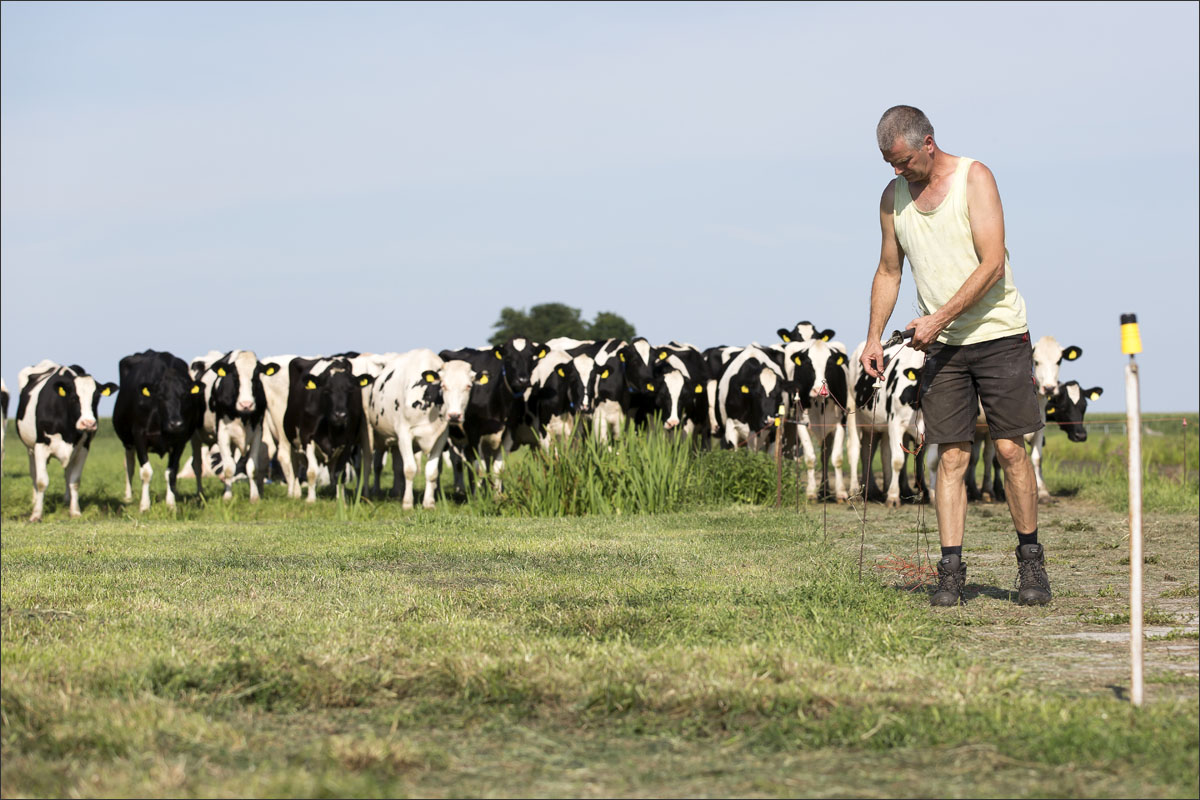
(1021, 483)
(951, 498)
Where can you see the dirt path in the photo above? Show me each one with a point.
(1080, 642)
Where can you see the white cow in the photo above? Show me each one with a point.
(821, 374)
(410, 407)
(56, 417)
(886, 412)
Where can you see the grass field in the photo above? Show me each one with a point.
(726, 649)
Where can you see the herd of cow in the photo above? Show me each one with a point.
(335, 418)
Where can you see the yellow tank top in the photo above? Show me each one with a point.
(941, 252)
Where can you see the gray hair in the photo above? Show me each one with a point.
(905, 122)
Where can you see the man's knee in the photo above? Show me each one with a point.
(953, 458)
(1011, 452)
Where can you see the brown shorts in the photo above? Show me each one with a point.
(997, 373)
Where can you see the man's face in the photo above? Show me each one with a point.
(913, 164)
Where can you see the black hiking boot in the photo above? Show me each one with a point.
(1031, 576)
(952, 574)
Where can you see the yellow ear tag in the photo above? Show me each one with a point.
(796, 360)
(649, 387)
(1049, 411)
(824, 338)
(561, 374)
(745, 390)
(429, 379)
(483, 378)
(1072, 354)
(498, 356)
(221, 371)
(699, 390)
(663, 355)
(840, 360)
(270, 370)
(777, 422)
(62, 392)
(363, 382)
(786, 338)
(146, 391)
(621, 356)
(1094, 396)
(310, 385)
(107, 391)
(542, 354)
(604, 375)
(911, 374)
(195, 390)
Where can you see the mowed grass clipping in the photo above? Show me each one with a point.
(721, 652)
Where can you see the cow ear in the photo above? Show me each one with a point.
(1094, 393)
(783, 334)
(910, 373)
(197, 365)
(270, 368)
(109, 388)
(826, 334)
(364, 380)
(430, 376)
(1072, 353)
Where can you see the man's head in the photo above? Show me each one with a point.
(905, 137)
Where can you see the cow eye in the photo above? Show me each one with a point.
(604, 375)
(310, 385)
(745, 390)
(146, 391)
(62, 392)
(221, 371)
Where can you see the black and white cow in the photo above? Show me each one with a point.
(751, 398)
(1048, 356)
(804, 331)
(885, 416)
(479, 440)
(695, 364)
(3, 416)
(324, 416)
(682, 405)
(158, 410)
(554, 399)
(238, 402)
(518, 357)
(609, 393)
(412, 404)
(638, 360)
(56, 417)
(820, 372)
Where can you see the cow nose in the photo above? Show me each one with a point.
(175, 425)
(339, 416)
(86, 425)
(454, 416)
(245, 405)
(671, 423)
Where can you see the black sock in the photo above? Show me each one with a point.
(1027, 538)
(952, 551)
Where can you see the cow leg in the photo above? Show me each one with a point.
(810, 460)
(40, 478)
(406, 465)
(147, 472)
(310, 455)
(398, 475)
(433, 470)
(853, 450)
(1039, 439)
(839, 485)
(128, 474)
(197, 464)
(228, 465)
(974, 491)
(254, 458)
(173, 458)
(931, 467)
(283, 453)
(74, 474)
(896, 453)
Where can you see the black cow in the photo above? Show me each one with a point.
(324, 416)
(1067, 406)
(518, 357)
(56, 417)
(554, 396)
(638, 359)
(158, 411)
(751, 394)
(479, 440)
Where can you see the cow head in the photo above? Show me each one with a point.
(332, 393)
(1048, 354)
(820, 370)
(455, 379)
(760, 391)
(608, 379)
(675, 399)
(78, 394)
(638, 359)
(519, 356)
(803, 332)
(1066, 405)
(237, 390)
(174, 400)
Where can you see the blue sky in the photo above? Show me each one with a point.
(303, 178)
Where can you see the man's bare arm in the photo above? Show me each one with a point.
(987, 231)
(885, 288)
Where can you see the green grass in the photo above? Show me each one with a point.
(328, 658)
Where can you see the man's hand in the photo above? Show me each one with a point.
(925, 331)
(872, 359)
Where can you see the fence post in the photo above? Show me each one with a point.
(1131, 343)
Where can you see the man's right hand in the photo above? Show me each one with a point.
(872, 359)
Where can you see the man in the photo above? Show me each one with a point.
(943, 213)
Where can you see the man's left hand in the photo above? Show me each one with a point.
(925, 331)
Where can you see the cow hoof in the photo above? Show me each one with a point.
(406, 506)
(427, 506)
(128, 497)
(144, 507)
(842, 498)
(253, 498)
(35, 518)
(987, 497)
(893, 502)
(1045, 499)
(227, 496)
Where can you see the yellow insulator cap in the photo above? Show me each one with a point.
(1131, 338)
